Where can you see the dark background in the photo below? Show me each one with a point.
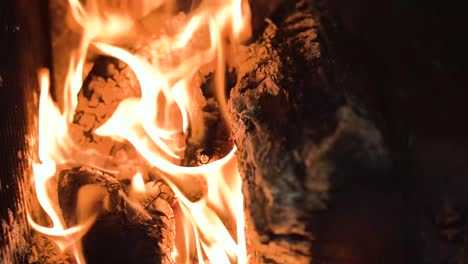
(410, 55)
(406, 60)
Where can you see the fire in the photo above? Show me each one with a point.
(210, 228)
(138, 184)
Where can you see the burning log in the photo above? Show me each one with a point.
(125, 231)
(298, 136)
(280, 81)
(107, 83)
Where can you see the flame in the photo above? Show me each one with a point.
(210, 228)
(138, 185)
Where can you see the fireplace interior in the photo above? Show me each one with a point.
(342, 121)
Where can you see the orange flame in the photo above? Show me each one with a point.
(209, 229)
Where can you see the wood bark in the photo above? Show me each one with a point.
(299, 135)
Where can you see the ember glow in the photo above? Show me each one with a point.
(210, 229)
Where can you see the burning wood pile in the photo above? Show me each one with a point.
(190, 132)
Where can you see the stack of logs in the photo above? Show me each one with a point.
(301, 137)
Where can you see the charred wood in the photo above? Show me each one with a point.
(125, 231)
(300, 138)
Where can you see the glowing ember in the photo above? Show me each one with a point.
(210, 227)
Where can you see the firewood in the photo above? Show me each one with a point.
(122, 233)
(296, 132)
(297, 135)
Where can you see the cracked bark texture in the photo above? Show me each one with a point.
(299, 137)
(122, 232)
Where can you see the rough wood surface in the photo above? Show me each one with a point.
(24, 48)
(127, 230)
(299, 138)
